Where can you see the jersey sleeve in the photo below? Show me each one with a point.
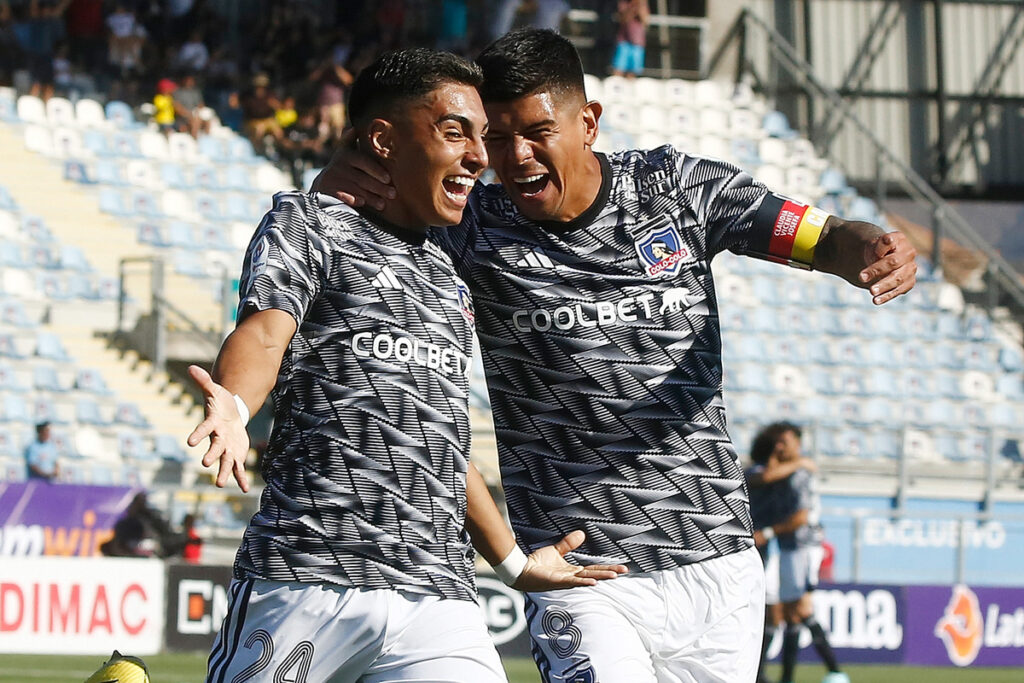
(286, 261)
(742, 215)
(803, 490)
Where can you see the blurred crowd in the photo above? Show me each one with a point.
(275, 70)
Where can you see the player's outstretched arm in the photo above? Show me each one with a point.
(355, 178)
(543, 570)
(246, 367)
(868, 257)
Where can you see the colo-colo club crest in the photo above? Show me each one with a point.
(661, 250)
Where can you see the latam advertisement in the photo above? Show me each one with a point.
(81, 606)
(40, 518)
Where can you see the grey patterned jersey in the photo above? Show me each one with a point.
(366, 467)
(800, 493)
(602, 350)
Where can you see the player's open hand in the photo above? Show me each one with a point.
(547, 570)
(229, 442)
(354, 177)
(891, 269)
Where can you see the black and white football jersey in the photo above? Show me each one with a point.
(366, 467)
(602, 350)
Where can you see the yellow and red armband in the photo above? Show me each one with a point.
(786, 231)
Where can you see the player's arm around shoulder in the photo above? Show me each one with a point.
(866, 256)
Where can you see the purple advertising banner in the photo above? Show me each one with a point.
(40, 518)
(965, 626)
(865, 624)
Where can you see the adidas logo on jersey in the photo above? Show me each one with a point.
(535, 259)
(387, 279)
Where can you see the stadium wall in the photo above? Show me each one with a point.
(891, 58)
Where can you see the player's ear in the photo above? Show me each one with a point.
(380, 137)
(591, 113)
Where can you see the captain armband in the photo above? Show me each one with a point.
(786, 231)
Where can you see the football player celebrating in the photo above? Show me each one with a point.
(596, 312)
(357, 565)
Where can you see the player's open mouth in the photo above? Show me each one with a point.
(531, 185)
(458, 187)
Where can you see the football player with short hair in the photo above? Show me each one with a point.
(596, 311)
(358, 564)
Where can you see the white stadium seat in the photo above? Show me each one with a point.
(60, 111)
(31, 109)
(89, 113)
(618, 89)
(153, 145)
(39, 139)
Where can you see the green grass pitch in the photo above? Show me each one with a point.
(189, 668)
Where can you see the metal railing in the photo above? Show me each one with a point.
(163, 315)
(1005, 283)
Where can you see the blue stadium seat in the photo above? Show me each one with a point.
(240, 149)
(13, 313)
(189, 263)
(237, 177)
(121, 115)
(1010, 386)
(48, 345)
(978, 327)
(882, 382)
(145, 203)
(920, 325)
(213, 237)
(947, 385)
(9, 347)
(208, 206)
(241, 208)
(9, 379)
(73, 258)
(131, 445)
(75, 171)
(179, 234)
(215, 149)
(88, 411)
(36, 229)
(44, 409)
(16, 409)
(1010, 360)
(150, 233)
(7, 202)
(941, 414)
(916, 384)
(949, 327)
(108, 172)
(852, 352)
(11, 255)
(90, 380)
(10, 444)
(128, 413)
(207, 178)
(886, 443)
(851, 383)
(44, 378)
(112, 201)
(821, 381)
(776, 125)
(947, 356)
(124, 145)
(173, 176)
(168, 448)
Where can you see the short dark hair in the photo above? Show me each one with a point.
(764, 442)
(528, 60)
(403, 75)
(41, 426)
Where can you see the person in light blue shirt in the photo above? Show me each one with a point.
(41, 455)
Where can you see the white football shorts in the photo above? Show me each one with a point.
(320, 633)
(701, 623)
(771, 579)
(798, 571)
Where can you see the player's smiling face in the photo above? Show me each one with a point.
(539, 145)
(437, 156)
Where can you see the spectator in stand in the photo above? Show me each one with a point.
(303, 146)
(41, 455)
(454, 26)
(63, 71)
(258, 108)
(170, 115)
(287, 115)
(190, 97)
(124, 46)
(193, 55)
(332, 80)
(141, 532)
(193, 542)
(630, 45)
(85, 33)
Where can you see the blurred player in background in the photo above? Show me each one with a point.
(766, 479)
(357, 565)
(784, 505)
(603, 361)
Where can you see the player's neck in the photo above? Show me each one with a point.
(586, 186)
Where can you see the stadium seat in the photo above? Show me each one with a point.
(60, 112)
(121, 115)
(48, 345)
(88, 412)
(8, 110)
(31, 110)
(9, 347)
(173, 175)
(123, 144)
(153, 145)
(132, 446)
(90, 380)
(776, 125)
(12, 255)
(73, 258)
(89, 113)
(38, 139)
(618, 90)
(13, 313)
(128, 413)
(1011, 360)
(7, 202)
(593, 87)
(9, 379)
(207, 178)
(168, 448)
(182, 147)
(53, 286)
(214, 148)
(44, 409)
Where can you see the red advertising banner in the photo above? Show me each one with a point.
(61, 605)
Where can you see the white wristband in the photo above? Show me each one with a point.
(512, 566)
(768, 533)
(243, 410)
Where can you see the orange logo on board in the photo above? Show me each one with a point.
(961, 626)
